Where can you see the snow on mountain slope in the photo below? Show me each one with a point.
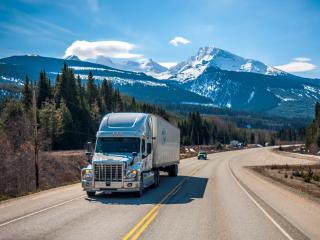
(224, 60)
(145, 88)
(146, 65)
(284, 94)
(72, 57)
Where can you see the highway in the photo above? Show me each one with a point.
(213, 199)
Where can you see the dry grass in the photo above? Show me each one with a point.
(55, 169)
(305, 178)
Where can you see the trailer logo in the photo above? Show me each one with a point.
(164, 136)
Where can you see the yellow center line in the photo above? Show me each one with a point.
(141, 230)
(141, 222)
(148, 218)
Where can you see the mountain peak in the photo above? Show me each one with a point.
(210, 56)
(72, 57)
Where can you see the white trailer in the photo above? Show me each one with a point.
(131, 149)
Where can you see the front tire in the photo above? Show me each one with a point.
(139, 193)
(156, 179)
(91, 194)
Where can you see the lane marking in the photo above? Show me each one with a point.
(40, 211)
(149, 217)
(144, 227)
(141, 222)
(258, 205)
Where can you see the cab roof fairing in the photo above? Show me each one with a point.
(123, 125)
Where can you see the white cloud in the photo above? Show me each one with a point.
(178, 41)
(299, 64)
(91, 50)
(168, 64)
(302, 59)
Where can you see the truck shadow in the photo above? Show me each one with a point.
(193, 188)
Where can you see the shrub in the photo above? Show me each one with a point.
(316, 178)
(296, 173)
(308, 176)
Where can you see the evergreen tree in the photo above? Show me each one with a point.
(64, 127)
(48, 123)
(43, 89)
(118, 104)
(58, 90)
(106, 91)
(317, 111)
(27, 93)
(92, 92)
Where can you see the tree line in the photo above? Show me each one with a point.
(204, 130)
(69, 112)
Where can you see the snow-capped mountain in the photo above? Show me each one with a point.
(219, 58)
(146, 65)
(72, 57)
(212, 76)
(14, 69)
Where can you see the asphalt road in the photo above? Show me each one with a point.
(213, 199)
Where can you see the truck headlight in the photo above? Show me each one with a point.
(87, 174)
(132, 174)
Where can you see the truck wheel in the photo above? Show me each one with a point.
(140, 192)
(156, 179)
(91, 194)
(173, 171)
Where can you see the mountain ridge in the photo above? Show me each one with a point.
(141, 86)
(211, 77)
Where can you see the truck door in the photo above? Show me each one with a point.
(148, 141)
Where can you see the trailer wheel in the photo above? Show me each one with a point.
(91, 194)
(173, 170)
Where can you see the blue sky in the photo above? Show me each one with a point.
(280, 33)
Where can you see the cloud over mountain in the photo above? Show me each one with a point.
(179, 41)
(92, 50)
(299, 64)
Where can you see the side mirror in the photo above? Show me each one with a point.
(89, 151)
(149, 149)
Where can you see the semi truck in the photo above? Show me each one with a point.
(130, 151)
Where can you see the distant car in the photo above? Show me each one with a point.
(202, 155)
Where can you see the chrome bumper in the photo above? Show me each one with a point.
(110, 186)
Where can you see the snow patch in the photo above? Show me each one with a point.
(251, 96)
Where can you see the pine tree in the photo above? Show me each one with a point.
(106, 90)
(118, 104)
(64, 131)
(27, 93)
(43, 89)
(92, 92)
(317, 111)
(48, 123)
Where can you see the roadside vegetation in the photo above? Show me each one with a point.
(68, 114)
(305, 178)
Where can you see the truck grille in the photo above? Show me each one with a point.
(108, 172)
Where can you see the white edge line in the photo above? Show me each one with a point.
(259, 206)
(40, 211)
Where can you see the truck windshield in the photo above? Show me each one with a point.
(118, 145)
